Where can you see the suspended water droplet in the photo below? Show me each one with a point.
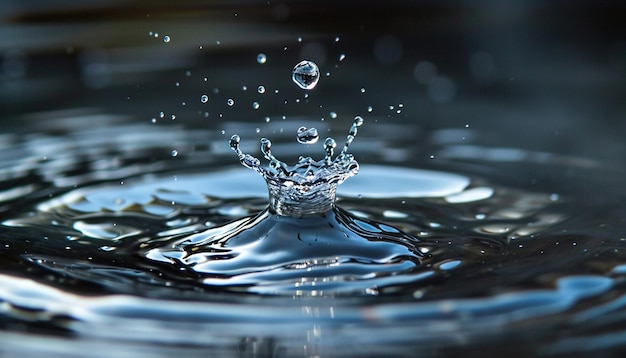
(256, 105)
(230, 102)
(307, 135)
(370, 109)
(261, 58)
(333, 115)
(267, 119)
(306, 74)
(342, 57)
(204, 98)
(166, 39)
(174, 153)
(161, 115)
(261, 89)
(362, 89)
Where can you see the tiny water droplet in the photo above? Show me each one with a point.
(174, 153)
(261, 58)
(204, 98)
(256, 105)
(370, 109)
(342, 57)
(307, 135)
(362, 89)
(299, 39)
(230, 102)
(267, 119)
(333, 115)
(153, 120)
(306, 74)
(166, 39)
(261, 89)
(161, 114)
(245, 88)
(336, 39)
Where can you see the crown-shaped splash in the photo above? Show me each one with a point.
(308, 187)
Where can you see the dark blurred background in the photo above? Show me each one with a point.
(539, 75)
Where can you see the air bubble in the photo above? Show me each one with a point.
(307, 135)
(204, 98)
(306, 74)
(261, 58)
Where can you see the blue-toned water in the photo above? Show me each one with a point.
(487, 216)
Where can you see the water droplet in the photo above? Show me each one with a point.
(166, 39)
(336, 39)
(204, 98)
(306, 74)
(173, 117)
(230, 102)
(307, 135)
(267, 119)
(362, 89)
(299, 39)
(261, 58)
(333, 115)
(174, 153)
(342, 57)
(261, 89)
(369, 109)
(161, 114)
(153, 120)
(256, 105)
(245, 88)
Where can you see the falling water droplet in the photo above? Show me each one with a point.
(306, 74)
(261, 58)
(204, 98)
(307, 135)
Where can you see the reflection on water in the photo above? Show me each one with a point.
(489, 182)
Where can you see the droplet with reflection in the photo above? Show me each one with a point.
(306, 74)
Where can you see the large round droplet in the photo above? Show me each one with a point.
(306, 74)
(307, 135)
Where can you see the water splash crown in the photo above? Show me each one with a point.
(309, 186)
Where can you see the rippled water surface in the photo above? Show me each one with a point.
(488, 215)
